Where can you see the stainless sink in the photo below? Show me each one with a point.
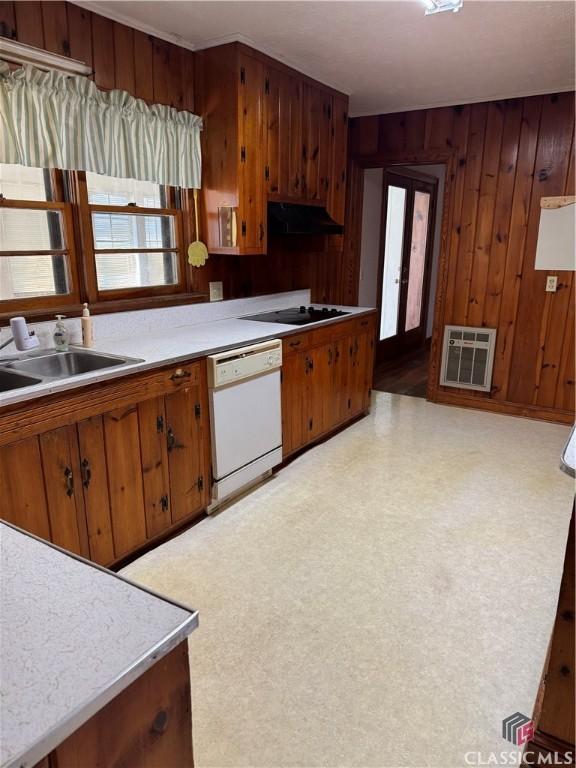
(50, 366)
(12, 380)
(61, 365)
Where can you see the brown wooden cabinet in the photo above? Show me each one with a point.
(270, 133)
(148, 725)
(118, 477)
(326, 380)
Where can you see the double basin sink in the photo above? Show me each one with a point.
(49, 365)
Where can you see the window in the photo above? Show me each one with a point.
(37, 266)
(129, 236)
(135, 233)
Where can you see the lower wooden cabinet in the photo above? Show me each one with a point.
(107, 484)
(148, 725)
(326, 380)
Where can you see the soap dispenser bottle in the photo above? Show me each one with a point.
(87, 331)
(61, 335)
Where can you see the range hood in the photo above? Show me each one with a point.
(295, 219)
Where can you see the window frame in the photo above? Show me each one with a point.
(60, 300)
(69, 194)
(86, 209)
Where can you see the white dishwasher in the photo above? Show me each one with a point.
(245, 416)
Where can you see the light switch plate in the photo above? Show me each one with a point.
(216, 291)
(551, 284)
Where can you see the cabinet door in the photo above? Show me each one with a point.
(59, 453)
(283, 134)
(358, 375)
(337, 196)
(316, 144)
(293, 385)
(186, 430)
(122, 440)
(94, 479)
(154, 452)
(252, 237)
(22, 487)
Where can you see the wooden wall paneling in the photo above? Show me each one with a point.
(187, 69)
(565, 398)
(551, 169)
(415, 127)
(7, 20)
(143, 67)
(103, 52)
(29, 23)
(364, 135)
(453, 219)
(167, 75)
(124, 67)
(391, 133)
(80, 33)
(439, 128)
(557, 330)
(485, 214)
(25, 499)
(56, 27)
(502, 213)
(352, 234)
(516, 245)
(473, 170)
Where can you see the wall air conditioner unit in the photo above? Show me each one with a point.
(468, 357)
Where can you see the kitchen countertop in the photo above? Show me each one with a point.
(173, 345)
(73, 636)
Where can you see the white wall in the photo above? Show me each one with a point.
(370, 242)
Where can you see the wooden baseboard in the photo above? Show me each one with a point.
(547, 750)
(500, 406)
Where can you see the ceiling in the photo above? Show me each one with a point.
(388, 56)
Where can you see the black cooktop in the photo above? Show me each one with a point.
(298, 315)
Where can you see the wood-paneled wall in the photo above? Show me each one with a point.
(502, 157)
(122, 57)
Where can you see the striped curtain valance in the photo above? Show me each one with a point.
(54, 120)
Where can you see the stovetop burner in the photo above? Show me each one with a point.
(298, 315)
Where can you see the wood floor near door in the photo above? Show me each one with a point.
(406, 376)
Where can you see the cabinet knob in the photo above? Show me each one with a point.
(160, 722)
(180, 373)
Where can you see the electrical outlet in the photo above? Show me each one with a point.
(216, 291)
(551, 284)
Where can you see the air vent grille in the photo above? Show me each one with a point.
(468, 357)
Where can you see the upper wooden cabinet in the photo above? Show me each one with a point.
(270, 133)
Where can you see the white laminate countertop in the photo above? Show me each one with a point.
(173, 345)
(72, 637)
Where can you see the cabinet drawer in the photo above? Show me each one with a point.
(365, 323)
(182, 374)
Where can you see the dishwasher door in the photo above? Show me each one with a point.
(246, 419)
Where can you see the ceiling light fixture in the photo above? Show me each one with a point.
(438, 6)
(20, 53)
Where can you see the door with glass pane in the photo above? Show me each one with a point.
(409, 205)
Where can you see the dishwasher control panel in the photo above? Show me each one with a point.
(244, 363)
